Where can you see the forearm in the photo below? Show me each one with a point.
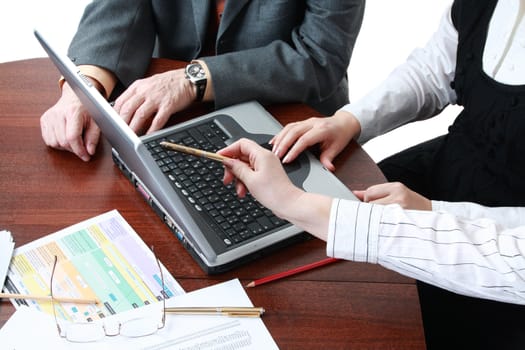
(474, 257)
(238, 77)
(118, 36)
(310, 212)
(471, 257)
(103, 77)
(415, 90)
(306, 62)
(507, 217)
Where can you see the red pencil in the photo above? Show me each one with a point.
(291, 272)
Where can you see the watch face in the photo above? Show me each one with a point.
(195, 72)
(197, 76)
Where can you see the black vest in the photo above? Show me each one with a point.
(482, 158)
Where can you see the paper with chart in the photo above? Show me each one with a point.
(102, 257)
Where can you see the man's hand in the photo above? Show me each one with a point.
(67, 126)
(148, 103)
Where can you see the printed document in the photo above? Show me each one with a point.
(181, 332)
(101, 258)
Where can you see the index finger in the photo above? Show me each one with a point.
(290, 135)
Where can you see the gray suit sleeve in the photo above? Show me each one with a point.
(118, 35)
(311, 67)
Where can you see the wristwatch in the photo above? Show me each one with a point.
(197, 76)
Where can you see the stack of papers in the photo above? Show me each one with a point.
(181, 332)
(104, 256)
(6, 252)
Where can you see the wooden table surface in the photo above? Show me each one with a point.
(345, 305)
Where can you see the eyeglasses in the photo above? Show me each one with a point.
(83, 332)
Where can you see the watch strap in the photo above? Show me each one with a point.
(200, 88)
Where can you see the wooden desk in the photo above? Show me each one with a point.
(341, 306)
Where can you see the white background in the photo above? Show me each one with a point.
(391, 29)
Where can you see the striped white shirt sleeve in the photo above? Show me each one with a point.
(415, 90)
(475, 256)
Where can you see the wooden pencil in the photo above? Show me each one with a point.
(193, 151)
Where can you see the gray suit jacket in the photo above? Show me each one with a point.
(267, 50)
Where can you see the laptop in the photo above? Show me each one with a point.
(220, 230)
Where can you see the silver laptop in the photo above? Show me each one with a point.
(220, 230)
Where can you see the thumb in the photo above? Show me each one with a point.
(360, 194)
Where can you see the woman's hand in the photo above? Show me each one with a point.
(332, 133)
(260, 172)
(394, 192)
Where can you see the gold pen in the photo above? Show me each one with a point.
(231, 311)
(193, 151)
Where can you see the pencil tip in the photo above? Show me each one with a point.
(250, 285)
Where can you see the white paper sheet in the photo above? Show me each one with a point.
(180, 332)
(6, 252)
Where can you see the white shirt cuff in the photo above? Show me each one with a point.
(353, 230)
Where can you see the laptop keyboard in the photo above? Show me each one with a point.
(199, 180)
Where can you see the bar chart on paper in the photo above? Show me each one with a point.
(102, 258)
